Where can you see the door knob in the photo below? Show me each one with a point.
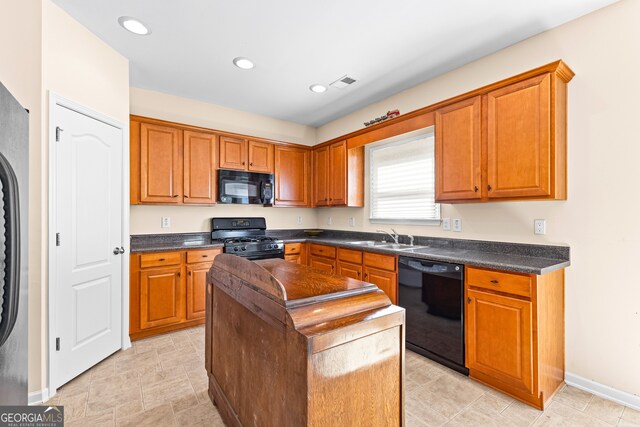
(116, 251)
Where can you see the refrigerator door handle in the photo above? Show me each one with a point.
(11, 285)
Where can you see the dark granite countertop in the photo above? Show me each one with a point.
(517, 257)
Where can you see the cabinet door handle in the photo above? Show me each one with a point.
(251, 164)
(366, 275)
(475, 188)
(488, 188)
(189, 272)
(243, 163)
(179, 274)
(175, 195)
(185, 196)
(468, 300)
(330, 199)
(494, 281)
(358, 274)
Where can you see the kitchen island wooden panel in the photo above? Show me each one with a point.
(329, 349)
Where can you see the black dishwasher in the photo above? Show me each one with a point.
(431, 293)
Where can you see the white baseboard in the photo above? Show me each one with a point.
(37, 397)
(604, 391)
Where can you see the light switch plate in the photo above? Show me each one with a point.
(446, 224)
(352, 221)
(539, 226)
(166, 222)
(299, 219)
(457, 224)
(329, 220)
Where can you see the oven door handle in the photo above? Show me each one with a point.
(11, 285)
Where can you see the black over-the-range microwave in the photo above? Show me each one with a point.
(240, 187)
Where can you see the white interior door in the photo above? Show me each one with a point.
(88, 220)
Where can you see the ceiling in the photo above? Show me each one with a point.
(386, 46)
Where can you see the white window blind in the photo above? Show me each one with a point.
(403, 180)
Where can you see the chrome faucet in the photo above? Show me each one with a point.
(410, 239)
(394, 236)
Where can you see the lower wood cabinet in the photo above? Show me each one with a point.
(167, 290)
(515, 332)
(296, 252)
(372, 267)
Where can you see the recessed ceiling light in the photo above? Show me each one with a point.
(317, 88)
(244, 63)
(133, 25)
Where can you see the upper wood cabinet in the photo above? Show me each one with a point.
(160, 166)
(170, 165)
(519, 142)
(507, 142)
(338, 175)
(246, 155)
(199, 168)
(260, 157)
(457, 150)
(292, 174)
(233, 153)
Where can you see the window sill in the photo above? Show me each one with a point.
(434, 222)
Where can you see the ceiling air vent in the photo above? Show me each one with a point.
(343, 82)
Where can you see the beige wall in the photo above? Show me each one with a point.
(146, 219)
(20, 72)
(599, 220)
(43, 50)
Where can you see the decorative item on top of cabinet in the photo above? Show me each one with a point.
(515, 332)
(292, 173)
(246, 155)
(338, 175)
(167, 290)
(507, 141)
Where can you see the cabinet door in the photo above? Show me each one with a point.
(387, 281)
(324, 264)
(196, 290)
(346, 269)
(338, 173)
(260, 157)
(519, 139)
(292, 176)
(457, 151)
(233, 153)
(498, 337)
(160, 164)
(199, 168)
(161, 297)
(320, 176)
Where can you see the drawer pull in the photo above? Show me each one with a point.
(205, 256)
(494, 281)
(162, 259)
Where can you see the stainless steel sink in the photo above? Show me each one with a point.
(386, 245)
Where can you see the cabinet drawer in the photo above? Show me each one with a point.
(510, 283)
(349, 255)
(322, 250)
(203, 255)
(383, 262)
(292, 248)
(160, 259)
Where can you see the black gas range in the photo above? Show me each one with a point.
(246, 237)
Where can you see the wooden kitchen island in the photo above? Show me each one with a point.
(289, 345)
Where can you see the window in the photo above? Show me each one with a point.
(403, 181)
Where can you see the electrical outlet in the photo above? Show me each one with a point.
(299, 219)
(352, 221)
(446, 224)
(457, 224)
(166, 222)
(329, 220)
(539, 226)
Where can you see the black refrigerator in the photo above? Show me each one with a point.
(14, 162)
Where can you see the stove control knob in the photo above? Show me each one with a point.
(235, 249)
(244, 248)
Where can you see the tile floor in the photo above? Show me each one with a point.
(161, 381)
